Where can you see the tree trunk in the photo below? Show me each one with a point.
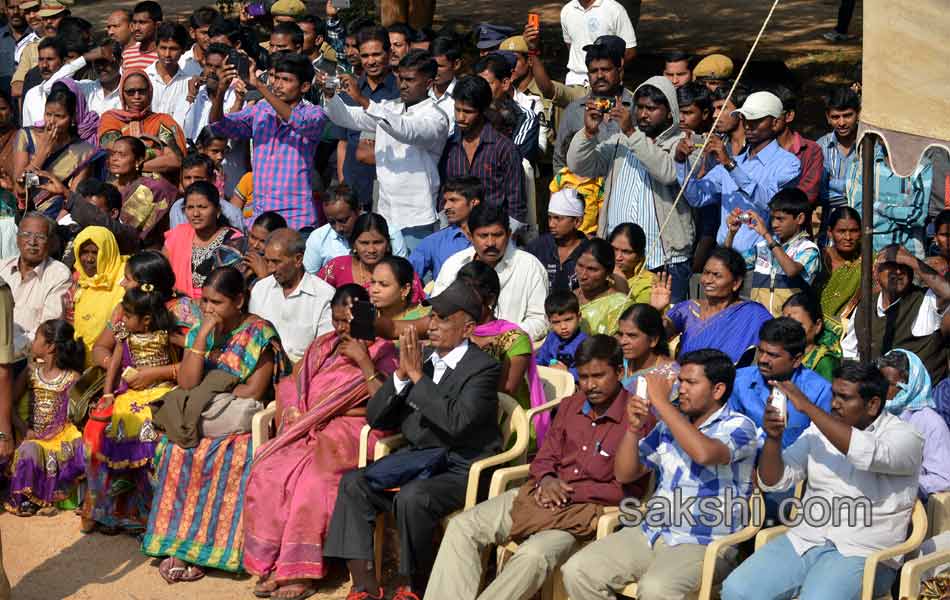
(418, 13)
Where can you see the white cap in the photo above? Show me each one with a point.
(565, 203)
(759, 105)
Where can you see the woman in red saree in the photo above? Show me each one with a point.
(294, 479)
(159, 131)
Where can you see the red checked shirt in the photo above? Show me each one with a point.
(579, 449)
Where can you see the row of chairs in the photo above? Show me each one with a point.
(511, 470)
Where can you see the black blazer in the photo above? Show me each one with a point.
(459, 413)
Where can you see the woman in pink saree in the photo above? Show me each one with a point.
(294, 479)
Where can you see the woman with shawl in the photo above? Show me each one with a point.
(160, 131)
(145, 200)
(320, 413)
(840, 279)
(721, 320)
(909, 397)
(98, 289)
(53, 146)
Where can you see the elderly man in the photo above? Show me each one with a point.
(37, 281)
(296, 302)
(444, 401)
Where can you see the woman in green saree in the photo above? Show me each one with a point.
(840, 278)
(823, 351)
(601, 305)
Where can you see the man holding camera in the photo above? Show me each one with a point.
(639, 173)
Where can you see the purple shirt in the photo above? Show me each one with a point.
(935, 470)
(282, 159)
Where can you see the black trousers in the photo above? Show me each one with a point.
(845, 12)
(419, 505)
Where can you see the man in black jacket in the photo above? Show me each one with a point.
(444, 398)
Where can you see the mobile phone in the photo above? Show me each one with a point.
(780, 402)
(642, 390)
(363, 325)
(241, 63)
(129, 372)
(534, 20)
(698, 140)
(256, 9)
(605, 104)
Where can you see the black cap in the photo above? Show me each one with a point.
(459, 296)
(614, 45)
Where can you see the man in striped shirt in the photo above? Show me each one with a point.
(476, 148)
(145, 19)
(496, 69)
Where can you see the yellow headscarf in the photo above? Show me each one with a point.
(98, 295)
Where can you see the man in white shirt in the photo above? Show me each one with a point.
(582, 22)
(296, 302)
(202, 89)
(410, 134)
(192, 61)
(102, 94)
(905, 315)
(448, 56)
(862, 465)
(524, 280)
(169, 81)
(37, 281)
(52, 54)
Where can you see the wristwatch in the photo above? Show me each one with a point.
(731, 165)
(773, 245)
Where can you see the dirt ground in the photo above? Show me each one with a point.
(46, 558)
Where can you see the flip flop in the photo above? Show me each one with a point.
(306, 593)
(264, 593)
(192, 573)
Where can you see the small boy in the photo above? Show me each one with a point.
(785, 264)
(564, 314)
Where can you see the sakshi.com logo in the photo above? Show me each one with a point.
(731, 511)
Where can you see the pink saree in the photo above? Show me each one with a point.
(536, 389)
(295, 477)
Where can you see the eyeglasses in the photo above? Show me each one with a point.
(32, 235)
(136, 92)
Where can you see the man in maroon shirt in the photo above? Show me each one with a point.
(572, 478)
(806, 151)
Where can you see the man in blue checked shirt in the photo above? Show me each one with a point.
(699, 449)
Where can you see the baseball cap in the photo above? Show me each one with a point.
(491, 36)
(50, 8)
(515, 43)
(612, 43)
(288, 8)
(714, 66)
(759, 105)
(459, 296)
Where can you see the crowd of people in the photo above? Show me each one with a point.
(384, 226)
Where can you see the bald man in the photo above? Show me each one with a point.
(119, 27)
(296, 302)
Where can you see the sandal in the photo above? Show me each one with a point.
(305, 592)
(265, 587)
(169, 572)
(192, 573)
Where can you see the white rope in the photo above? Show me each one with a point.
(712, 129)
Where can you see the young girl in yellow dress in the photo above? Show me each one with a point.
(50, 460)
(142, 341)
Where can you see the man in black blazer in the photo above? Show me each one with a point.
(444, 397)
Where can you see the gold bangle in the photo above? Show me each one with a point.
(109, 396)
(200, 353)
(369, 378)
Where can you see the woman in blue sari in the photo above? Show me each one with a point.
(721, 319)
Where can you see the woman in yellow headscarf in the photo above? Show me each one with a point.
(100, 270)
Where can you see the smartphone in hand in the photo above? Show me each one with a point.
(363, 325)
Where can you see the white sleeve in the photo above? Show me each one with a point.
(349, 117)
(426, 130)
(849, 344)
(67, 70)
(928, 317)
(625, 29)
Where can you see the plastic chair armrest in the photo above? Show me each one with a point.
(767, 535)
(501, 479)
(918, 521)
(913, 571)
(260, 425)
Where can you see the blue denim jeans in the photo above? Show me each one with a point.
(776, 572)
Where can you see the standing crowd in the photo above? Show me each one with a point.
(331, 228)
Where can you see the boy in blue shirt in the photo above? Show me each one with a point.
(785, 261)
(564, 316)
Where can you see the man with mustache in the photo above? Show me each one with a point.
(524, 280)
(459, 196)
(102, 94)
(14, 36)
(49, 15)
(639, 172)
(859, 451)
(905, 315)
(51, 56)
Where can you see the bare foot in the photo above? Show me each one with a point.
(265, 587)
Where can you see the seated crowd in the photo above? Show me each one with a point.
(340, 226)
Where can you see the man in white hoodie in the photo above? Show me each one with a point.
(640, 174)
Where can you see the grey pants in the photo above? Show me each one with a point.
(603, 568)
(458, 566)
